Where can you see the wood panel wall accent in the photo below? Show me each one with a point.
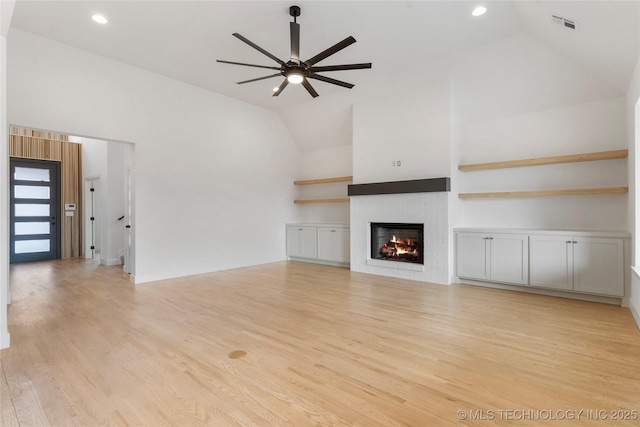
(34, 144)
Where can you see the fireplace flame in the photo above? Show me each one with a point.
(396, 248)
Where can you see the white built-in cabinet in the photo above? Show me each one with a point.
(592, 265)
(333, 244)
(301, 242)
(579, 262)
(493, 256)
(322, 243)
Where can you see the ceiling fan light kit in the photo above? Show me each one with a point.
(296, 71)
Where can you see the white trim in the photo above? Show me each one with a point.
(395, 265)
(635, 311)
(582, 232)
(111, 262)
(320, 261)
(547, 292)
(635, 314)
(5, 340)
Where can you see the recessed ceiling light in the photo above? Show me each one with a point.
(478, 11)
(99, 19)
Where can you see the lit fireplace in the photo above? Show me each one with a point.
(397, 242)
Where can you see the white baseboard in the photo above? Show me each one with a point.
(5, 340)
(635, 314)
(547, 292)
(110, 262)
(317, 261)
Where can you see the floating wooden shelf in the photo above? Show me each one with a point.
(324, 180)
(585, 157)
(535, 193)
(331, 200)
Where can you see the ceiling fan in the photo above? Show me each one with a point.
(296, 71)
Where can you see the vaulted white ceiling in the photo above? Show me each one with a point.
(183, 39)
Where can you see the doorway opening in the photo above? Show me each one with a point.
(93, 207)
(92, 217)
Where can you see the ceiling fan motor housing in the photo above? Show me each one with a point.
(294, 11)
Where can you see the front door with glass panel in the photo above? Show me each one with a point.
(35, 226)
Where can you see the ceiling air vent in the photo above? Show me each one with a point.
(564, 22)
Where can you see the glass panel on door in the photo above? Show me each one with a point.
(28, 228)
(32, 174)
(31, 246)
(31, 192)
(24, 209)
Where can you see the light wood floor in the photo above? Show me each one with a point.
(324, 346)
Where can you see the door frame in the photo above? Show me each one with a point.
(56, 251)
(92, 232)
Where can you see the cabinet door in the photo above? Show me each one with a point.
(333, 244)
(551, 262)
(510, 258)
(473, 256)
(293, 241)
(325, 243)
(341, 245)
(301, 242)
(598, 266)
(308, 242)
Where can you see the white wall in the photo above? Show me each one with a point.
(6, 12)
(410, 124)
(583, 128)
(94, 165)
(326, 163)
(213, 176)
(518, 99)
(633, 138)
(114, 201)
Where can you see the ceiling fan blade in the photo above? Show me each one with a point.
(333, 49)
(247, 65)
(295, 42)
(259, 78)
(281, 88)
(330, 80)
(259, 49)
(309, 88)
(341, 67)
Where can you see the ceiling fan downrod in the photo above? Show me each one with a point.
(295, 12)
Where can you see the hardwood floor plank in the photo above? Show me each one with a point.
(322, 346)
(8, 417)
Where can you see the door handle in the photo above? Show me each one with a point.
(127, 226)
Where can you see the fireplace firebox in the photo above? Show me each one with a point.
(397, 242)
